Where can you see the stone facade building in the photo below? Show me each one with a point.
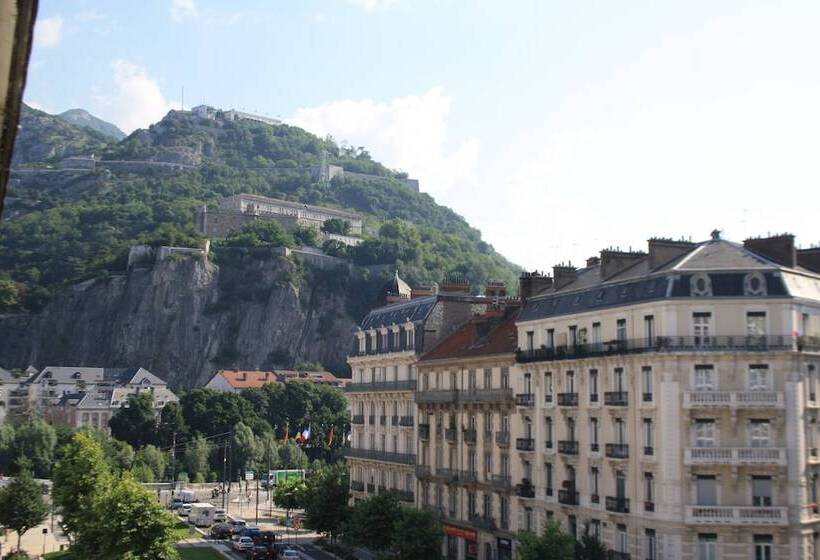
(382, 453)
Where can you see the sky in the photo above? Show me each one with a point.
(556, 128)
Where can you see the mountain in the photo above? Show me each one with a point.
(44, 138)
(66, 235)
(82, 118)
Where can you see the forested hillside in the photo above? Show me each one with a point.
(61, 227)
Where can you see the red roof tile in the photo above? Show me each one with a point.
(485, 335)
(247, 379)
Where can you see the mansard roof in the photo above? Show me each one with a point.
(727, 264)
(486, 335)
(414, 311)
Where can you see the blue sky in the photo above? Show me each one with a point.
(557, 128)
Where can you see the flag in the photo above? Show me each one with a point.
(306, 434)
(287, 428)
(300, 438)
(331, 435)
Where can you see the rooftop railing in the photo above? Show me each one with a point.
(378, 386)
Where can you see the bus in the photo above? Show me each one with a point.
(272, 478)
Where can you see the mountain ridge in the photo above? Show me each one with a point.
(82, 118)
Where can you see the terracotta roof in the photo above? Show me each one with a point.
(247, 379)
(485, 335)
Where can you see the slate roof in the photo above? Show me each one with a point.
(486, 335)
(95, 375)
(7, 377)
(414, 310)
(726, 263)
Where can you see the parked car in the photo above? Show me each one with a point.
(237, 525)
(184, 510)
(219, 516)
(175, 504)
(261, 553)
(242, 544)
(252, 532)
(290, 554)
(221, 531)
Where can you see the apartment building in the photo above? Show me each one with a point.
(387, 345)
(465, 400)
(667, 401)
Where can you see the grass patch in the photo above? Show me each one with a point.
(64, 555)
(184, 531)
(199, 553)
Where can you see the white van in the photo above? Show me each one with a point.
(187, 496)
(202, 514)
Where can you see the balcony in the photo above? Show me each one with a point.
(594, 448)
(500, 481)
(404, 495)
(371, 419)
(469, 436)
(468, 476)
(568, 497)
(357, 485)
(730, 515)
(568, 447)
(733, 399)
(382, 386)
(371, 488)
(357, 419)
(482, 522)
(617, 451)
(486, 395)
(649, 506)
(617, 505)
(525, 399)
(394, 420)
(375, 455)
(594, 499)
(502, 438)
(424, 431)
(616, 398)
(735, 456)
(448, 475)
(567, 399)
(451, 435)
(383, 420)
(423, 472)
(525, 444)
(525, 489)
(740, 343)
(488, 437)
(433, 397)
(407, 421)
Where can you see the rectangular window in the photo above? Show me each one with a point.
(762, 491)
(505, 378)
(593, 385)
(705, 378)
(596, 334)
(707, 547)
(702, 328)
(488, 378)
(551, 339)
(763, 547)
(651, 544)
(621, 330)
(530, 341)
(706, 490)
(648, 437)
(528, 519)
(759, 379)
(573, 336)
(548, 429)
(548, 477)
(648, 384)
(488, 464)
(756, 323)
(622, 545)
(548, 386)
(618, 380)
(471, 504)
(593, 434)
(649, 330)
(570, 380)
(759, 433)
(488, 506)
(704, 433)
(505, 512)
(649, 487)
(471, 380)
(594, 476)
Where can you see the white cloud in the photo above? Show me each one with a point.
(48, 32)
(137, 99)
(183, 9)
(374, 5)
(407, 133)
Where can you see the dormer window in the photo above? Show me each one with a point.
(47, 375)
(76, 375)
(754, 284)
(701, 285)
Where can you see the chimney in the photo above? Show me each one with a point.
(423, 290)
(455, 285)
(662, 251)
(809, 258)
(564, 275)
(495, 290)
(531, 284)
(243, 376)
(593, 261)
(778, 248)
(614, 261)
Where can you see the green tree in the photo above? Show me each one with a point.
(81, 476)
(151, 459)
(37, 441)
(336, 225)
(289, 494)
(372, 521)
(259, 233)
(196, 456)
(304, 235)
(21, 504)
(135, 423)
(134, 526)
(416, 534)
(326, 500)
(554, 544)
(590, 547)
(244, 447)
(171, 425)
(6, 447)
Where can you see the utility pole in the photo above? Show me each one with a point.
(173, 462)
(224, 476)
(257, 500)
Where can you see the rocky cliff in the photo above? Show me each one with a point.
(184, 317)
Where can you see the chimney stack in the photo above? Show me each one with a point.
(495, 289)
(777, 248)
(423, 290)
(662, 251)
(614, 261)
(593, 261)
(531, 284)
(455, 285)
(564, 275)
(809, 258)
